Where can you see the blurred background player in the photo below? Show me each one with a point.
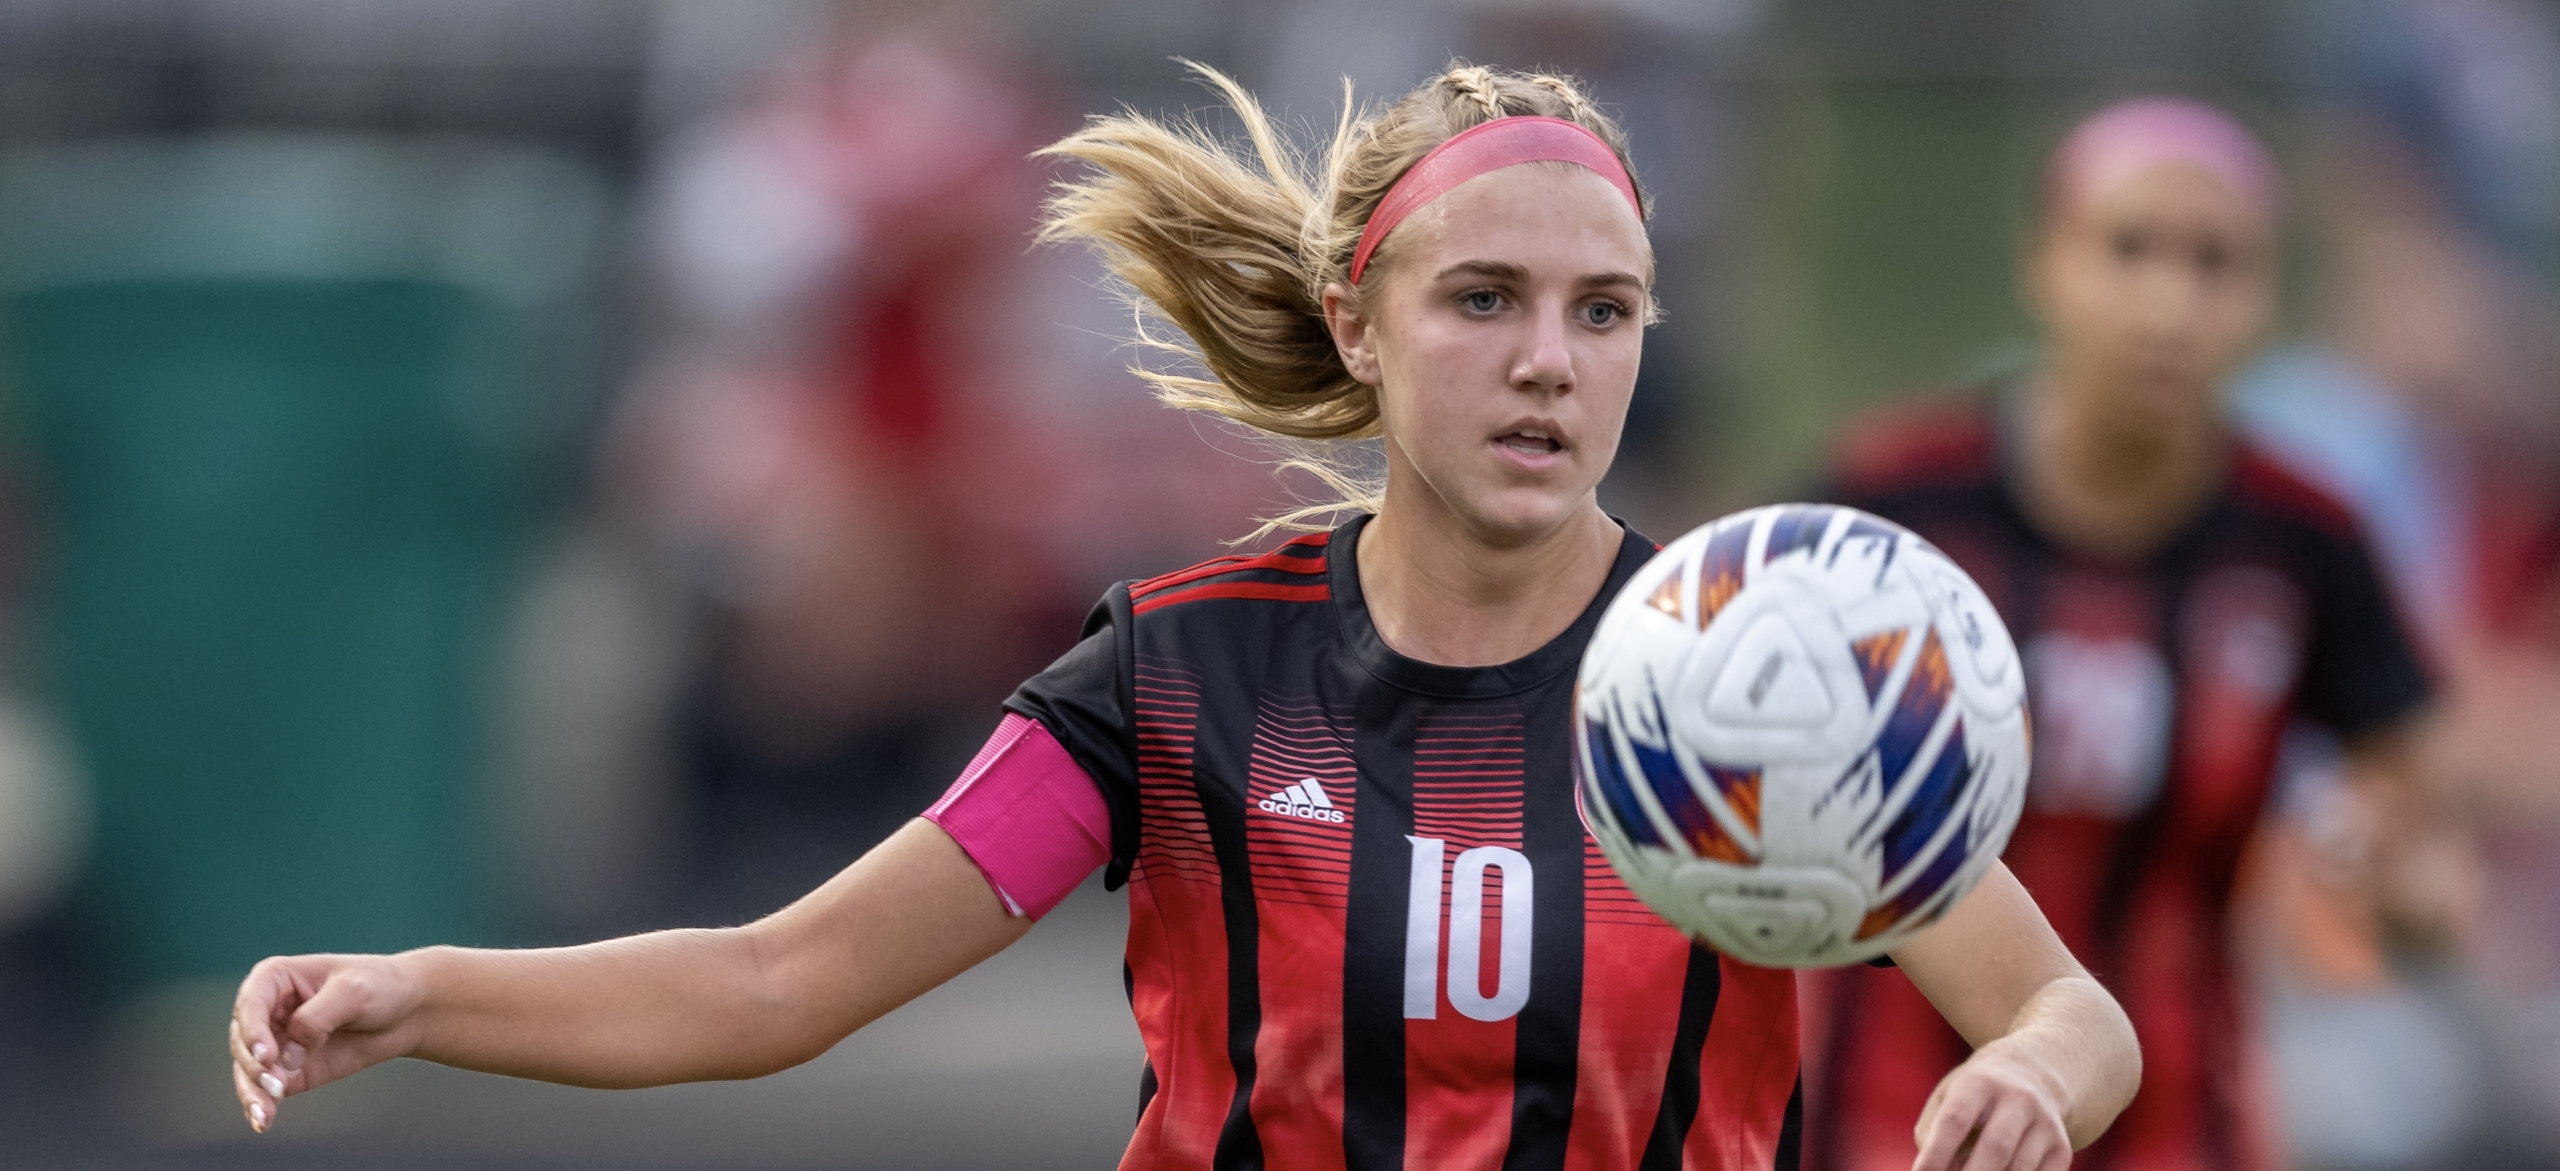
(2179, 598)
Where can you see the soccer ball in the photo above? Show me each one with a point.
(1801, 735)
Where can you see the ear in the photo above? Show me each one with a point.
(1354, 335)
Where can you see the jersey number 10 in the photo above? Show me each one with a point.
(1466, 933)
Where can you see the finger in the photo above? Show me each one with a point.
(249, 1070)
(1952, 1159)
(240, 1053)
(267, 997)
(1946, 1137)
(342, 998)
(254, 1103)
(2037, 1148)
(1996, 1142)
(252, 1033)
(1929, 1110)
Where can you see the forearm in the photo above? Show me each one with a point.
(2054, 1058)
(2073, 1032)
(646, 1010)
(668, 1006)
(739, 1002)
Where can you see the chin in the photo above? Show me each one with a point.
(2165, 401)
(1521, 518)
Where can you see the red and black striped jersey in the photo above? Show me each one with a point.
(1367, 928)
(2161, 690)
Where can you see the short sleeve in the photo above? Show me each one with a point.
(1084, 700)
(2363, 672)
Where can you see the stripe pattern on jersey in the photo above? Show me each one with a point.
(1283, 792)
(1294, 572)
(1298, 831)
(1178, 982)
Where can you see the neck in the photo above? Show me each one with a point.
(2112, 481)
(1438, 593)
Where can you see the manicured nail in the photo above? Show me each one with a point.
(258, 1052)
(258, 1116)
(293, 1055)
(274, 1085)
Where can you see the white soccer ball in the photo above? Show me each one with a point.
(1801, 735)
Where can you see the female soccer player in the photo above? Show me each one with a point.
(1367, 928)
(2180, 599)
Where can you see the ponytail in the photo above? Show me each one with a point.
(1216, 245)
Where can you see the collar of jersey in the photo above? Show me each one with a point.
(1561, 654)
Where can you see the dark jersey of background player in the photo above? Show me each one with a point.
(2160, 688)
(1367, 928)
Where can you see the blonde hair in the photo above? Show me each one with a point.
(1233, 245)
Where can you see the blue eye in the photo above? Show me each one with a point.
(1480, 300)
(1603, 313)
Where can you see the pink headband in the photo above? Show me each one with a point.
(1489, 146)
(2131, 136)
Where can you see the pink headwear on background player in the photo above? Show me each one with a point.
(2133, 136)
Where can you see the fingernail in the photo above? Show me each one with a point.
(258, 1116)
(274, 1085)
(293, 1055)
(258, 1052)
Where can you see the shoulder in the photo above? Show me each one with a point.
(1294, 572)
(2261, 484)
(1938, 440)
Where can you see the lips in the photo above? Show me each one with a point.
(1530, 441)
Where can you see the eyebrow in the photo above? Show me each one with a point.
(1496, 269)
(1505, 271)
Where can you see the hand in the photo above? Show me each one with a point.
(1998, 1111)
(2054, 1059)
(302, 1021)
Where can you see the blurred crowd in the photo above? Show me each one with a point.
(530, 469)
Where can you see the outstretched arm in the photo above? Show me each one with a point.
(668, 1006)
(2054, 1059)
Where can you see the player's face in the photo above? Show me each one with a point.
(1503, 335)
(2154, 289)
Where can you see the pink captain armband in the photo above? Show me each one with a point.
(1028, 816)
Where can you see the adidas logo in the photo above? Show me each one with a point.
(1305, 799)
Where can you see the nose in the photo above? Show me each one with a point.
(2175, 294)
(1545, 365)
